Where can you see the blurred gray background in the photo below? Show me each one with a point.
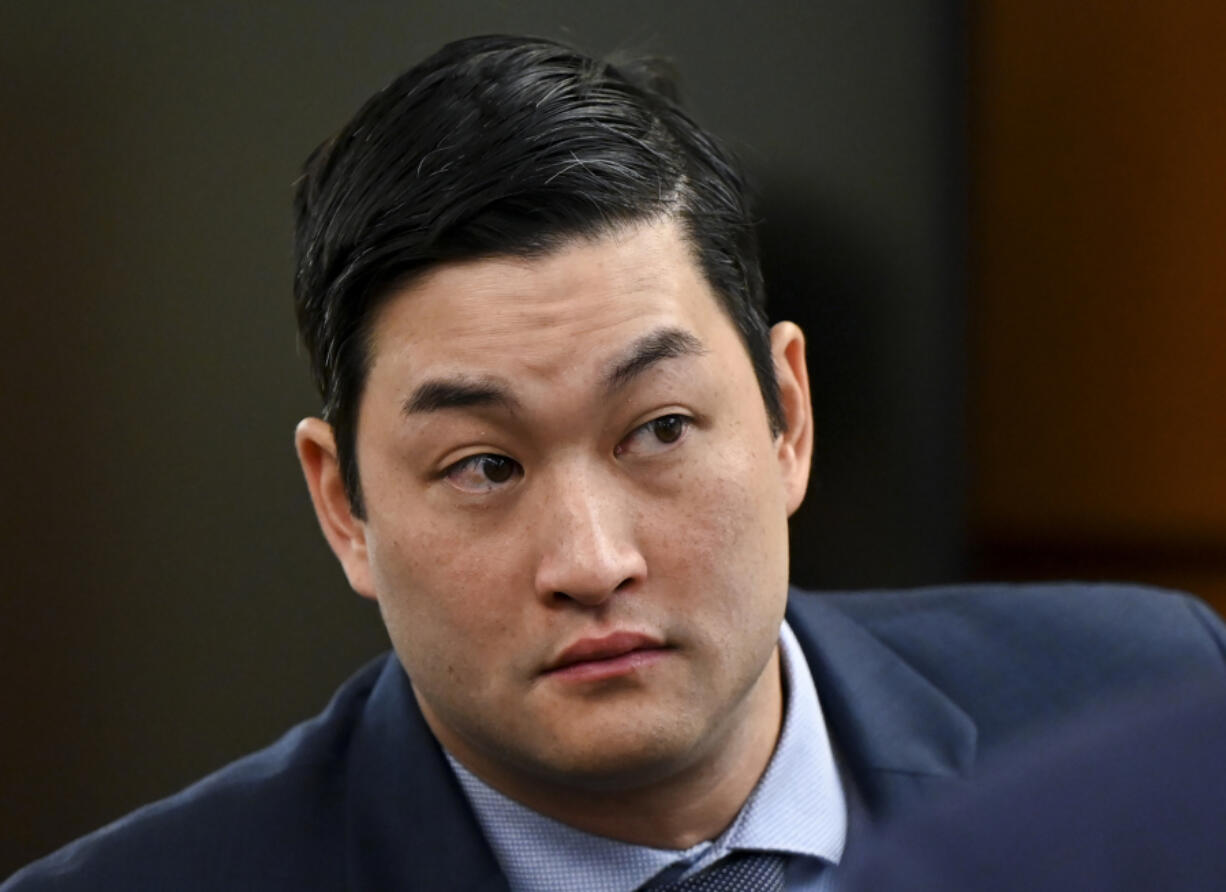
(166, 600)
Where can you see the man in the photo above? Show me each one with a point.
(559, 448)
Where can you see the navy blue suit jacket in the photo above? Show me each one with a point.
(1129, 800)
(915, 687)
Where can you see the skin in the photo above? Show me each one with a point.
(654, 501)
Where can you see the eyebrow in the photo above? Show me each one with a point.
(462, 392)
(647, 351)
(459, 393)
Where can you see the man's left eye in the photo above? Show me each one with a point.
(656, 435)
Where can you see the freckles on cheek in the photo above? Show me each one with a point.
(734, 492)
(735, 523)
(711, 522)
(450, 580)
(438, 616)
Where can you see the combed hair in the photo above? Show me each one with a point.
(498, 146)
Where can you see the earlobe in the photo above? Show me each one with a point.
(346, 534)
(794, 446)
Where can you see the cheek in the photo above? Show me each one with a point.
(443, 594)
(732, 524)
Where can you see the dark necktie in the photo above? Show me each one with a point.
(739, 872)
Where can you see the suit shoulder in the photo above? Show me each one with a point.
(1123, 618)
(1015, 655)
(261, 822)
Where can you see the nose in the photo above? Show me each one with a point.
(588, 549)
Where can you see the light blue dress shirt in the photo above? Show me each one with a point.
(797, 808)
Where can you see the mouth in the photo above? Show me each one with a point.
(610, 656)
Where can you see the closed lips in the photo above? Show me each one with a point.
(607, 647)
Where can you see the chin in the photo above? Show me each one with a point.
(622, 759)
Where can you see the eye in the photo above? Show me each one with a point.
(485, 472)
(657, 435)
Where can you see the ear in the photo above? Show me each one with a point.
(794, 446)
(345, 533)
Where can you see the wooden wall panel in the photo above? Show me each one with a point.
(1098, 311)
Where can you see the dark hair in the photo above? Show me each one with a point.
(503, 145)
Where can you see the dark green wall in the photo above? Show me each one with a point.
(167, 602)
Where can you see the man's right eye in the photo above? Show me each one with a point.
(482, 473)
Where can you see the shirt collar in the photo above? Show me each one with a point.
(797, 808)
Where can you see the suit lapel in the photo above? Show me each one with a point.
(897, 735)
(409, 825)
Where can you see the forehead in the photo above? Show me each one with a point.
(548, 315)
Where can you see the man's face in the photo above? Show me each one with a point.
(576, 513)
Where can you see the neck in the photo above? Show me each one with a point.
(688, 805)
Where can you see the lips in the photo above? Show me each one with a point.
(609, 655)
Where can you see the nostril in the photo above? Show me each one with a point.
(559, 595)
